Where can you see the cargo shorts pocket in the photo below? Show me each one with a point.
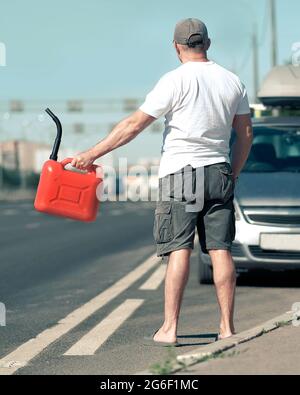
(163, 227)
(227, 181)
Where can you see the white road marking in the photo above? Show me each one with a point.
(116, 212)
(25, 205)
(9, 211)
(27, 351)
(154, 281)
(34, 225)
(94, 339)
(34, 213)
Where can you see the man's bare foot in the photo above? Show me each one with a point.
(226, 330)
(226, 336)
(165, 337)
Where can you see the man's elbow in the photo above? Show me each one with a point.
(245, 134)
(244, 129)
(249, 133)
(130, 128)
(140, 121)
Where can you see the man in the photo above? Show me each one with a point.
(201, 102)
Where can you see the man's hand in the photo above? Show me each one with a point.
(83, 160)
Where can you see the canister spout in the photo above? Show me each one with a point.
(57, 141)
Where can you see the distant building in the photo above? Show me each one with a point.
(27, 135)
(84, 122)
(21, 155)
(29, 156)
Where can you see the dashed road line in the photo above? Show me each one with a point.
(154, 281)
(116, 212)
(33, 213)
(94, 339)
(9, 211)
(25, 205)
(20, 357)
(33, 225)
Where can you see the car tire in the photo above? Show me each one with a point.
(205, 272)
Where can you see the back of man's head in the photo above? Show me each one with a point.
(192, 34)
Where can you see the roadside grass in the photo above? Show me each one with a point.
(170, 364)
(167, 366)
(281, 324)
(223, 354)
(233, 353)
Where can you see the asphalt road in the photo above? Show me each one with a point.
(50, 267)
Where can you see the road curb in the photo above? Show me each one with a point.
(203, 353)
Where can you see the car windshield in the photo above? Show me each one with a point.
(274, 149)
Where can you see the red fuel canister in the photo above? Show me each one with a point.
(67, 193)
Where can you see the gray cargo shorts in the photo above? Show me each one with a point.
(175, 225)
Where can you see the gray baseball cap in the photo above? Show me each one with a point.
(191, 32)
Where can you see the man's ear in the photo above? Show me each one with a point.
(176, 47)
(208, 44)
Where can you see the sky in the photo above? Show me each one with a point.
(66, 49)
(112, 48)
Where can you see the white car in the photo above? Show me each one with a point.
(267, 201)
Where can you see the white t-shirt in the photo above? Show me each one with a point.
(199, 101)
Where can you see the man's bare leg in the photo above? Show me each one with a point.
(225, 280)
(176, 278)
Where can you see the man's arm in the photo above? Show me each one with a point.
(241, 148)
(121, 134)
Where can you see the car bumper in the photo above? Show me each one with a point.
(247, 253)
(253, 258)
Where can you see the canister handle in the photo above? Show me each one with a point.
(90, 170)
